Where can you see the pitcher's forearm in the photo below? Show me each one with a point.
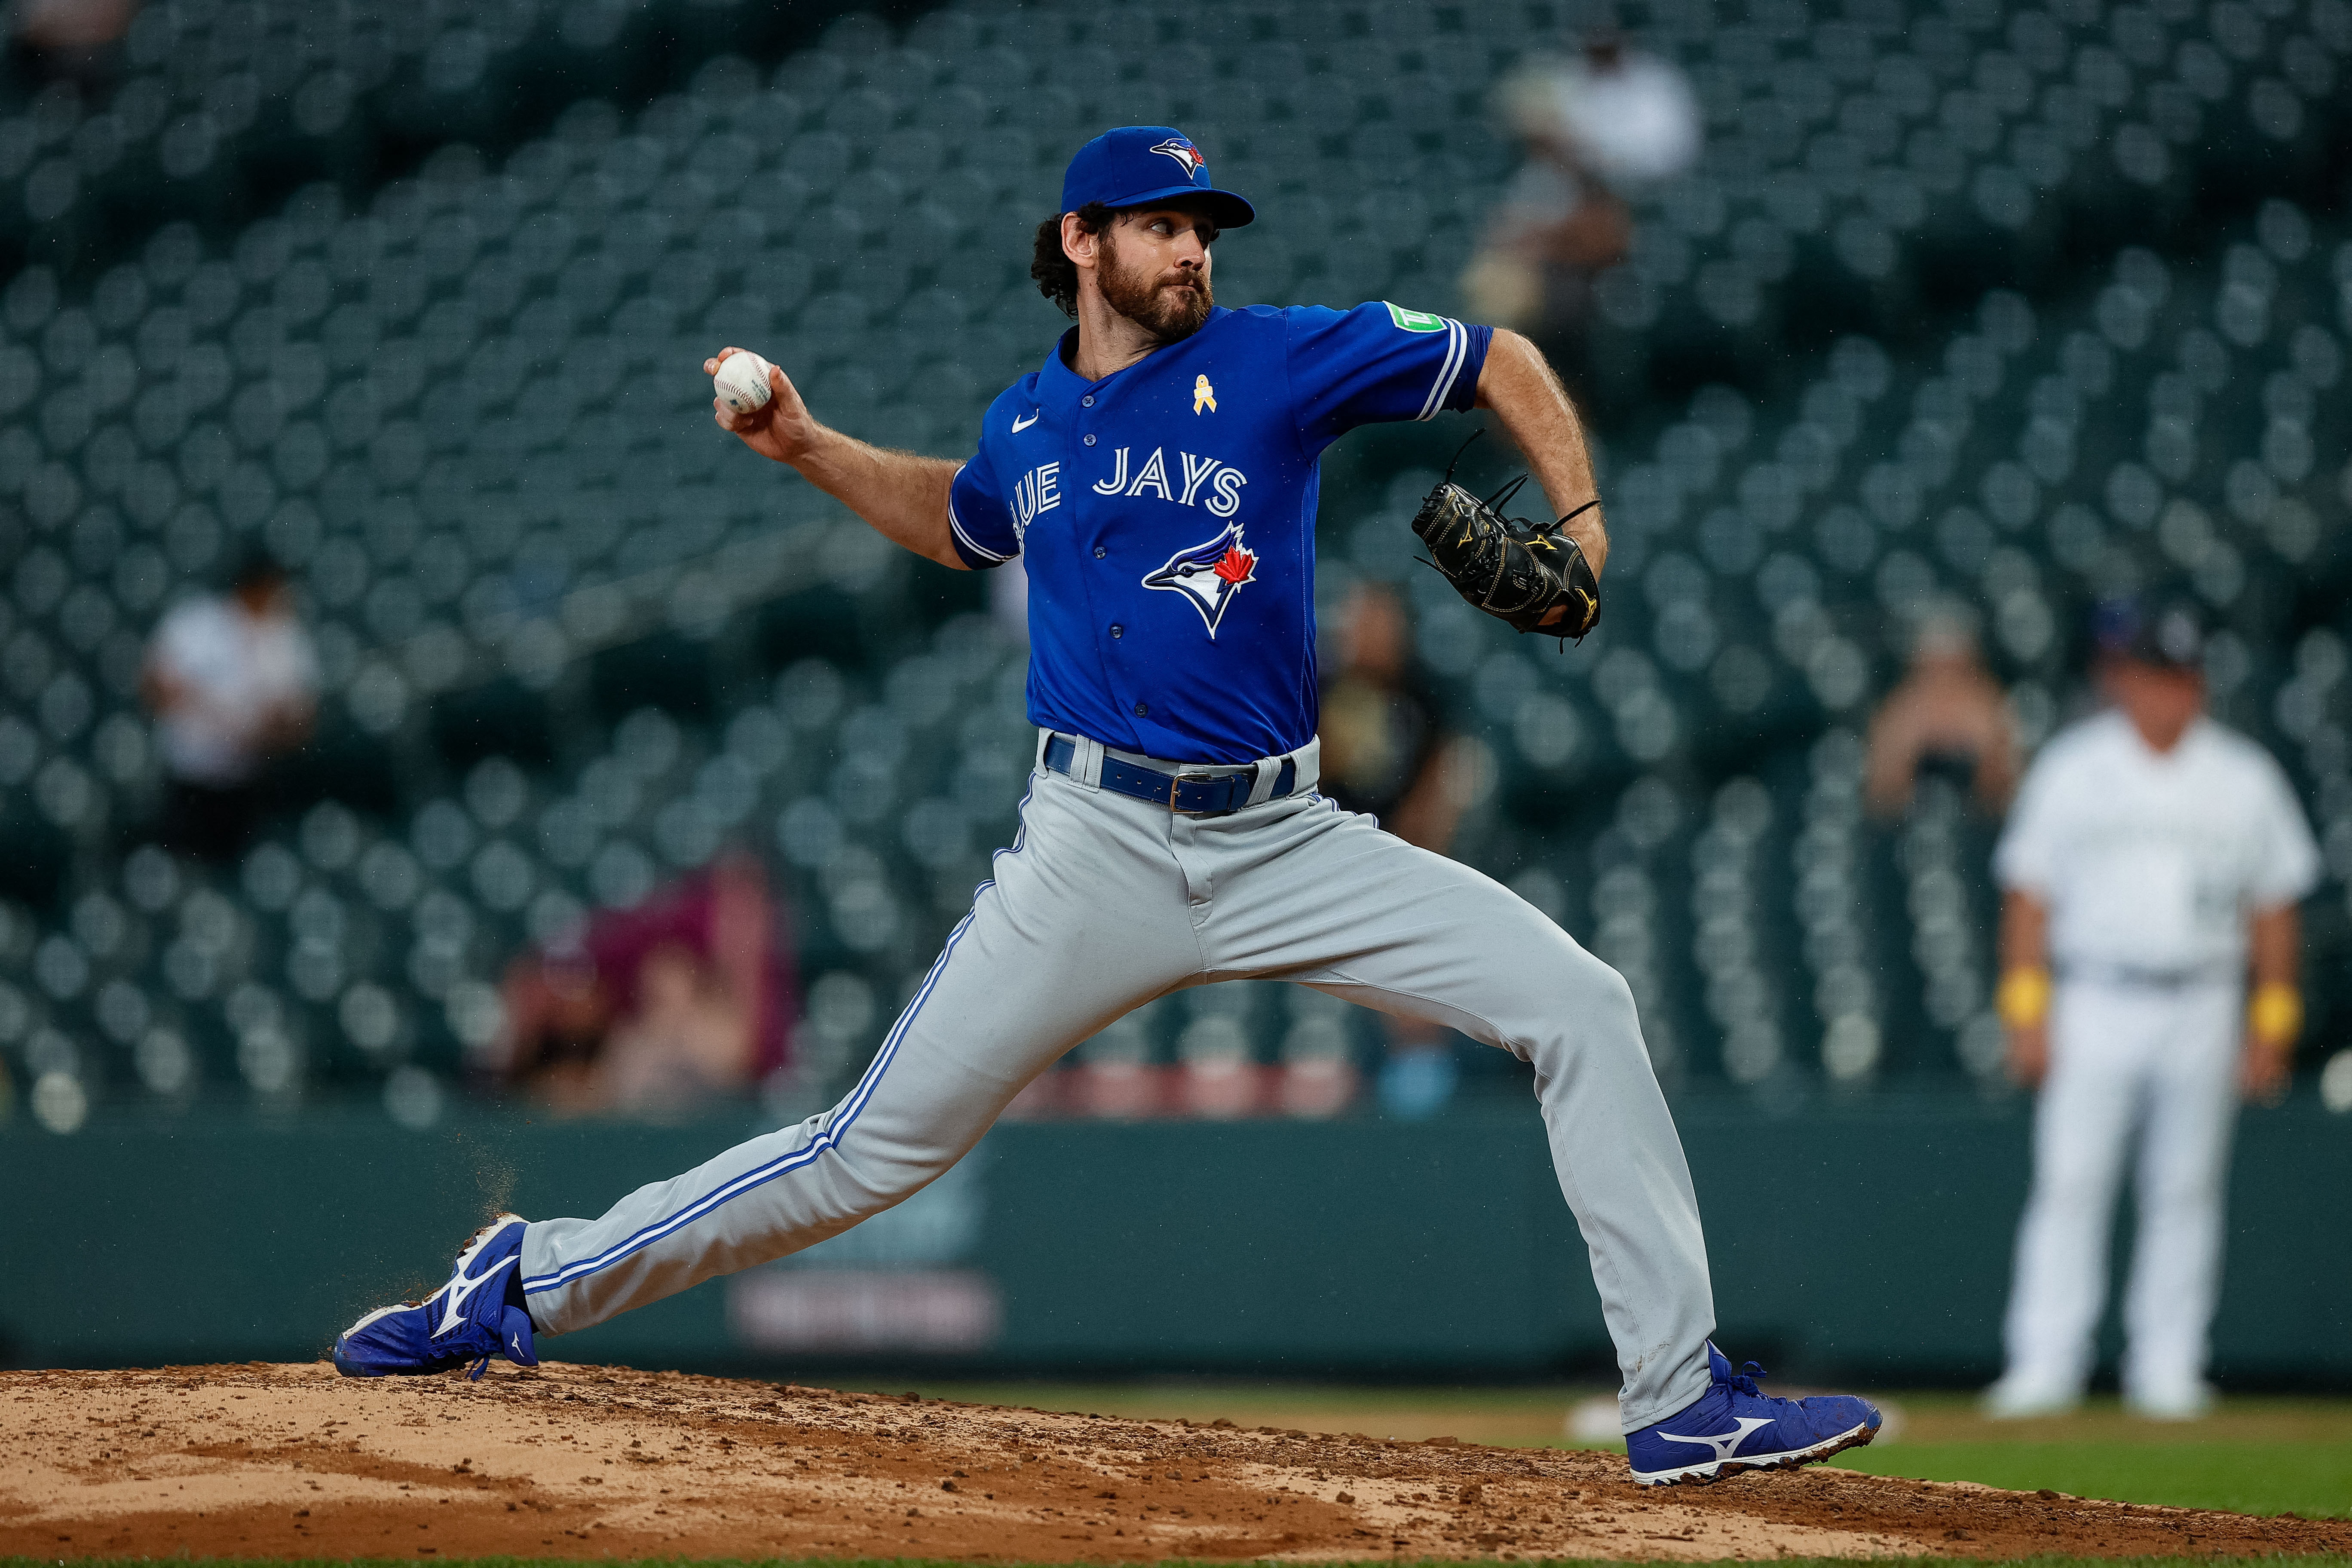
(1527, 398)
(903, 497)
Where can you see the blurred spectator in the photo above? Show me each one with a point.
(2154, 860)
(1949, 711)
(1592, 128)
(1384, 750)
(656, 1010)
(1386, 753)
(234, 682)
(73, 41)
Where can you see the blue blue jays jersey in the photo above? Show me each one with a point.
(1166, 517)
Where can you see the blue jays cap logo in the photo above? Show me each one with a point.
(1195, 166)
(1121, 168)
(1209, 574)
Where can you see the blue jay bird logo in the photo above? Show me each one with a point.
(1209, 574)
(1185, 153)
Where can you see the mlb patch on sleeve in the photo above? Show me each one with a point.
(1415, 320)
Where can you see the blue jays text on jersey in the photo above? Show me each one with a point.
(1166, 517)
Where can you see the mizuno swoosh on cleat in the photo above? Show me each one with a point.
(1736, 1425)
(476, 1315)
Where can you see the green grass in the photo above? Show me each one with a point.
(2312, 1480)
(2259, 1456)
(2267, 1478)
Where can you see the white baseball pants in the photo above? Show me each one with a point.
(1104, 902)
(2160, 1061)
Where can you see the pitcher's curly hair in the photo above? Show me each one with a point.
(1056, 274)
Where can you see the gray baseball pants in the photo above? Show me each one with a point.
(1104, 902)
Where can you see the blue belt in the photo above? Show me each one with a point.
(1186, 794)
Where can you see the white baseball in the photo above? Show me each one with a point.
(742, 382)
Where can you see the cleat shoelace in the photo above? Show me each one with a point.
(1745, 1379)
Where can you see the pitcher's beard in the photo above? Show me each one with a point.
(1169, 313)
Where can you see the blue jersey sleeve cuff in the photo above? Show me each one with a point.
(1462, 396)
(975, 555)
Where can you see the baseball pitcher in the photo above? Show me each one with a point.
(1157, 476)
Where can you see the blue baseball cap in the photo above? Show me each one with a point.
(1138, 166)
(2164, 629)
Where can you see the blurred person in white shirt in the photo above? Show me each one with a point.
(234, 683)
(1595, 128)
(1625, 118)
(2153, 865)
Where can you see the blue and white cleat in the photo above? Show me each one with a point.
(1734, 1426)
(471, 1319)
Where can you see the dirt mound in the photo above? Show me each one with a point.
(278, 1461)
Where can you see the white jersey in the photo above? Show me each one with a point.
(1636, 124)
(237, 670)
(2152, 861)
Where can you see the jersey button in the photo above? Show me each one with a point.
(1100, 553)
(1119, 631)
(1090, 440)
(1143, 710)
(1087, 401)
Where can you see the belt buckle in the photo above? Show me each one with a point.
(1179, 779)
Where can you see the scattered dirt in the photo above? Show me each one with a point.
(283, 1461)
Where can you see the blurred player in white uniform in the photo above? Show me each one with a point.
(2154, 864)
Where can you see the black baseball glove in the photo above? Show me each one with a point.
(1514, 570)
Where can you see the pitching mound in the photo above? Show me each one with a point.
(268, 1461)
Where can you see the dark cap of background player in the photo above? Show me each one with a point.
(257, 570)
(2166, 631)
(1141, 165)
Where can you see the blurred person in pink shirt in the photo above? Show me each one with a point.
(654, 1011)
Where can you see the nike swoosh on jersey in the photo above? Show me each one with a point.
(1021, 424)
(459, 1290)
(1724, 1444)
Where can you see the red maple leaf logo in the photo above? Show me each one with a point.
(1237, 564)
